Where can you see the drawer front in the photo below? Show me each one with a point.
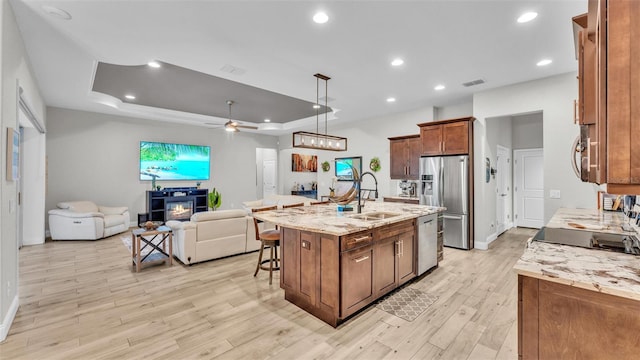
(395, 229)
(353, 241)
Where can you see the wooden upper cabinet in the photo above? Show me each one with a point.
(405, 157)
(446, 137)
(431, 139)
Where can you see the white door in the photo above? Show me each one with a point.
(268, 178)
(529, 188)
(503, 190)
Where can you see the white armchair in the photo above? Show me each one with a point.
(84, 220)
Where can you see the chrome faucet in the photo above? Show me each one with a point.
(360, 189)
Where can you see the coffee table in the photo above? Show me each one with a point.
(143, 238)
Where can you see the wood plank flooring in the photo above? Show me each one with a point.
(81, 300)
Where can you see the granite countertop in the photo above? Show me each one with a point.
(326, 219)
(399, 197)
(598, 270)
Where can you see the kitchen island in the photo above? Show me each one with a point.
(576, 302)
(335, 263)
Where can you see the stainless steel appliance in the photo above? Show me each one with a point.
(427, 242)
(408, 188)
(444, 181)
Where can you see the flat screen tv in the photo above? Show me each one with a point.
(343, 167)
(166, 161)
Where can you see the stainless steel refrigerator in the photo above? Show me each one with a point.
(444, 181)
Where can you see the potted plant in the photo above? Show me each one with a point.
(214, 200)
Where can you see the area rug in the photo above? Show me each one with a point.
(406, 303)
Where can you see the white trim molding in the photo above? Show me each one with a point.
(8, 319)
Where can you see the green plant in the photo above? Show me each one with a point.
(375, 164)
(215, 199)
(325, 166)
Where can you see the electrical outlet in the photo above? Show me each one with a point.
(554, 194)
(9, 287)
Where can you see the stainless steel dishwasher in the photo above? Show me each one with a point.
(427, 242)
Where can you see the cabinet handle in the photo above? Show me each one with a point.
(398, 248)
(361, 259)
(444, 147)
(362, 238)
(576, 118)
(402, 248)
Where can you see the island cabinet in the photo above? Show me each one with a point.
(557, 321)
(446, 137)
(332, 277)
(405, 157)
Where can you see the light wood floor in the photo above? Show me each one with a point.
(80, 300)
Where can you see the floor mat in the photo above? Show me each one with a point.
(406, 303)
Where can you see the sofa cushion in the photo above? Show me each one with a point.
(217, 215)
(79, 206)
(113, 220)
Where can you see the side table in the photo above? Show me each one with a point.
(142, 238)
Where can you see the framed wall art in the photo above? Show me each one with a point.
(304, 163)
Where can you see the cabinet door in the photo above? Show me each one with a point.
(385, 271)
(405, 259)
(455, 138)
(431, 137)
(414, 146)
(398, 149)
(356, 279)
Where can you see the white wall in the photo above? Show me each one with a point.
(463, 109)
(554, 97)
(33, 178)
(527, 131)
(15, 69)
(95, 157)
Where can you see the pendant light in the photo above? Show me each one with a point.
(317, 140)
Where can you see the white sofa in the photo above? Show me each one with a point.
(214, 234)
(278, 200)
(84, 220)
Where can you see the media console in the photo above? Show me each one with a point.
(176, 203)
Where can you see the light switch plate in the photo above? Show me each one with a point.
(554, 194)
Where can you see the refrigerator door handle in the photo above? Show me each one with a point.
(452, 217)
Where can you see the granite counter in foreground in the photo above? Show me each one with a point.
(326, 219)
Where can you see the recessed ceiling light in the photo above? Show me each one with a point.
(56, 12)
(544, 62)
(526, 17)
(130, 97)
(320, 17)
(391, 99)
(267, 120)
(316, 106)
(397, 62)
(439, 87)
(153, 64)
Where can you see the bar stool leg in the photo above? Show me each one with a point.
(277, 259)
(259, 258)
(271, 263)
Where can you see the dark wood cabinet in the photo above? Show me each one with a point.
(557, 321)
(357, 272)
(446, 137)
(405, 157)
(609, 94)
(332, 277)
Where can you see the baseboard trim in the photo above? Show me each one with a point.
(484, 245)
(8, 319)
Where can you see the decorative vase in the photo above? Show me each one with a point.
(332, 193)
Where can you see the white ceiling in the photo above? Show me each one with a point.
(281, 48)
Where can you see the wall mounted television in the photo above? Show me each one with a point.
(344, 171)
(167, 161)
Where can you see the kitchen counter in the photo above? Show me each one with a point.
(327, 220)
(598, 270)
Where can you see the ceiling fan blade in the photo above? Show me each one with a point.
(247, 127)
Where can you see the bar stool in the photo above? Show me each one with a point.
(270, 239)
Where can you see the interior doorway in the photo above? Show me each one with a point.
(529, 188)
(504, 198)
(266, 172)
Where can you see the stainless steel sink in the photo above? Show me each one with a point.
(590, 239)
(373, 216)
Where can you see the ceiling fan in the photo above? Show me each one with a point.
(232, 126)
